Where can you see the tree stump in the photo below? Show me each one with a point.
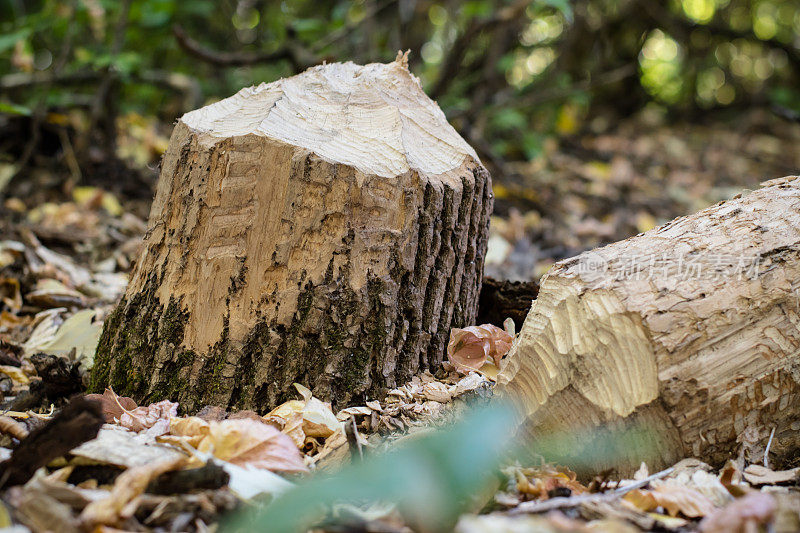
(689, 332)
(327, 229)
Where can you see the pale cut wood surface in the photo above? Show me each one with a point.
(327, 229)
(691, 329)
(375, 118)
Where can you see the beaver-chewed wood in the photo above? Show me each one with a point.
(327, 229)
(687, 335)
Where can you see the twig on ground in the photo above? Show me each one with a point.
(351, 432)
(769, 444)
(573, 501)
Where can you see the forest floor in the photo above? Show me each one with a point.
(65, 253)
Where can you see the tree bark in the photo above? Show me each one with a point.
(689, 332)
(327, 229)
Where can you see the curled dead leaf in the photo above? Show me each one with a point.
(113, 405)
(470, 347)
(154, 418)
(318, 418)
(192, 429)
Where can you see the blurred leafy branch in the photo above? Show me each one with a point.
(508, 73)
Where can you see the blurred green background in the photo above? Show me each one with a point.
(555, 96)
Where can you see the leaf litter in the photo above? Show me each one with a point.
(64, 264)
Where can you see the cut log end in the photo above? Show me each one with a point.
(327, 229)
(690, 332)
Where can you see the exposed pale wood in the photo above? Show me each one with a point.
(327, 228)
(691, 329)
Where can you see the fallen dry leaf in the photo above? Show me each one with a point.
(9, 426)
(281, 414)
(489, 370)
(118, 446)
(641, 500)
(731, 479)
(470, 347)
(127, 486)
(540, 482)
(294, 429)
(80, 332)
(759, 475)
(15, 373)
(674, 497)
(243, 442)
(437, 391)
(154, 416)
(10, 293)
(318, 418)
(742, 515)
(191, 429)
(113, 405)
(468, 383)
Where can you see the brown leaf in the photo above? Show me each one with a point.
(113, 405)
(541, 482)
(731, 479)
(156, 414)
(469, 348)
(642, 500)
(742, 515)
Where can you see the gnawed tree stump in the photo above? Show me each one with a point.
(327, 229)
(690, 331)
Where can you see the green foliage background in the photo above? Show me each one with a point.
(509, 74)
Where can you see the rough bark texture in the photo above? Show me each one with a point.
(690, 332)
(327, 229)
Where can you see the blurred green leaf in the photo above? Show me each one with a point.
(431, 477)
(563, 6)
(14, 109)
(308, 25)
(10, 39)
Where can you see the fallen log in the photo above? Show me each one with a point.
(327, 229)
(689, 332)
